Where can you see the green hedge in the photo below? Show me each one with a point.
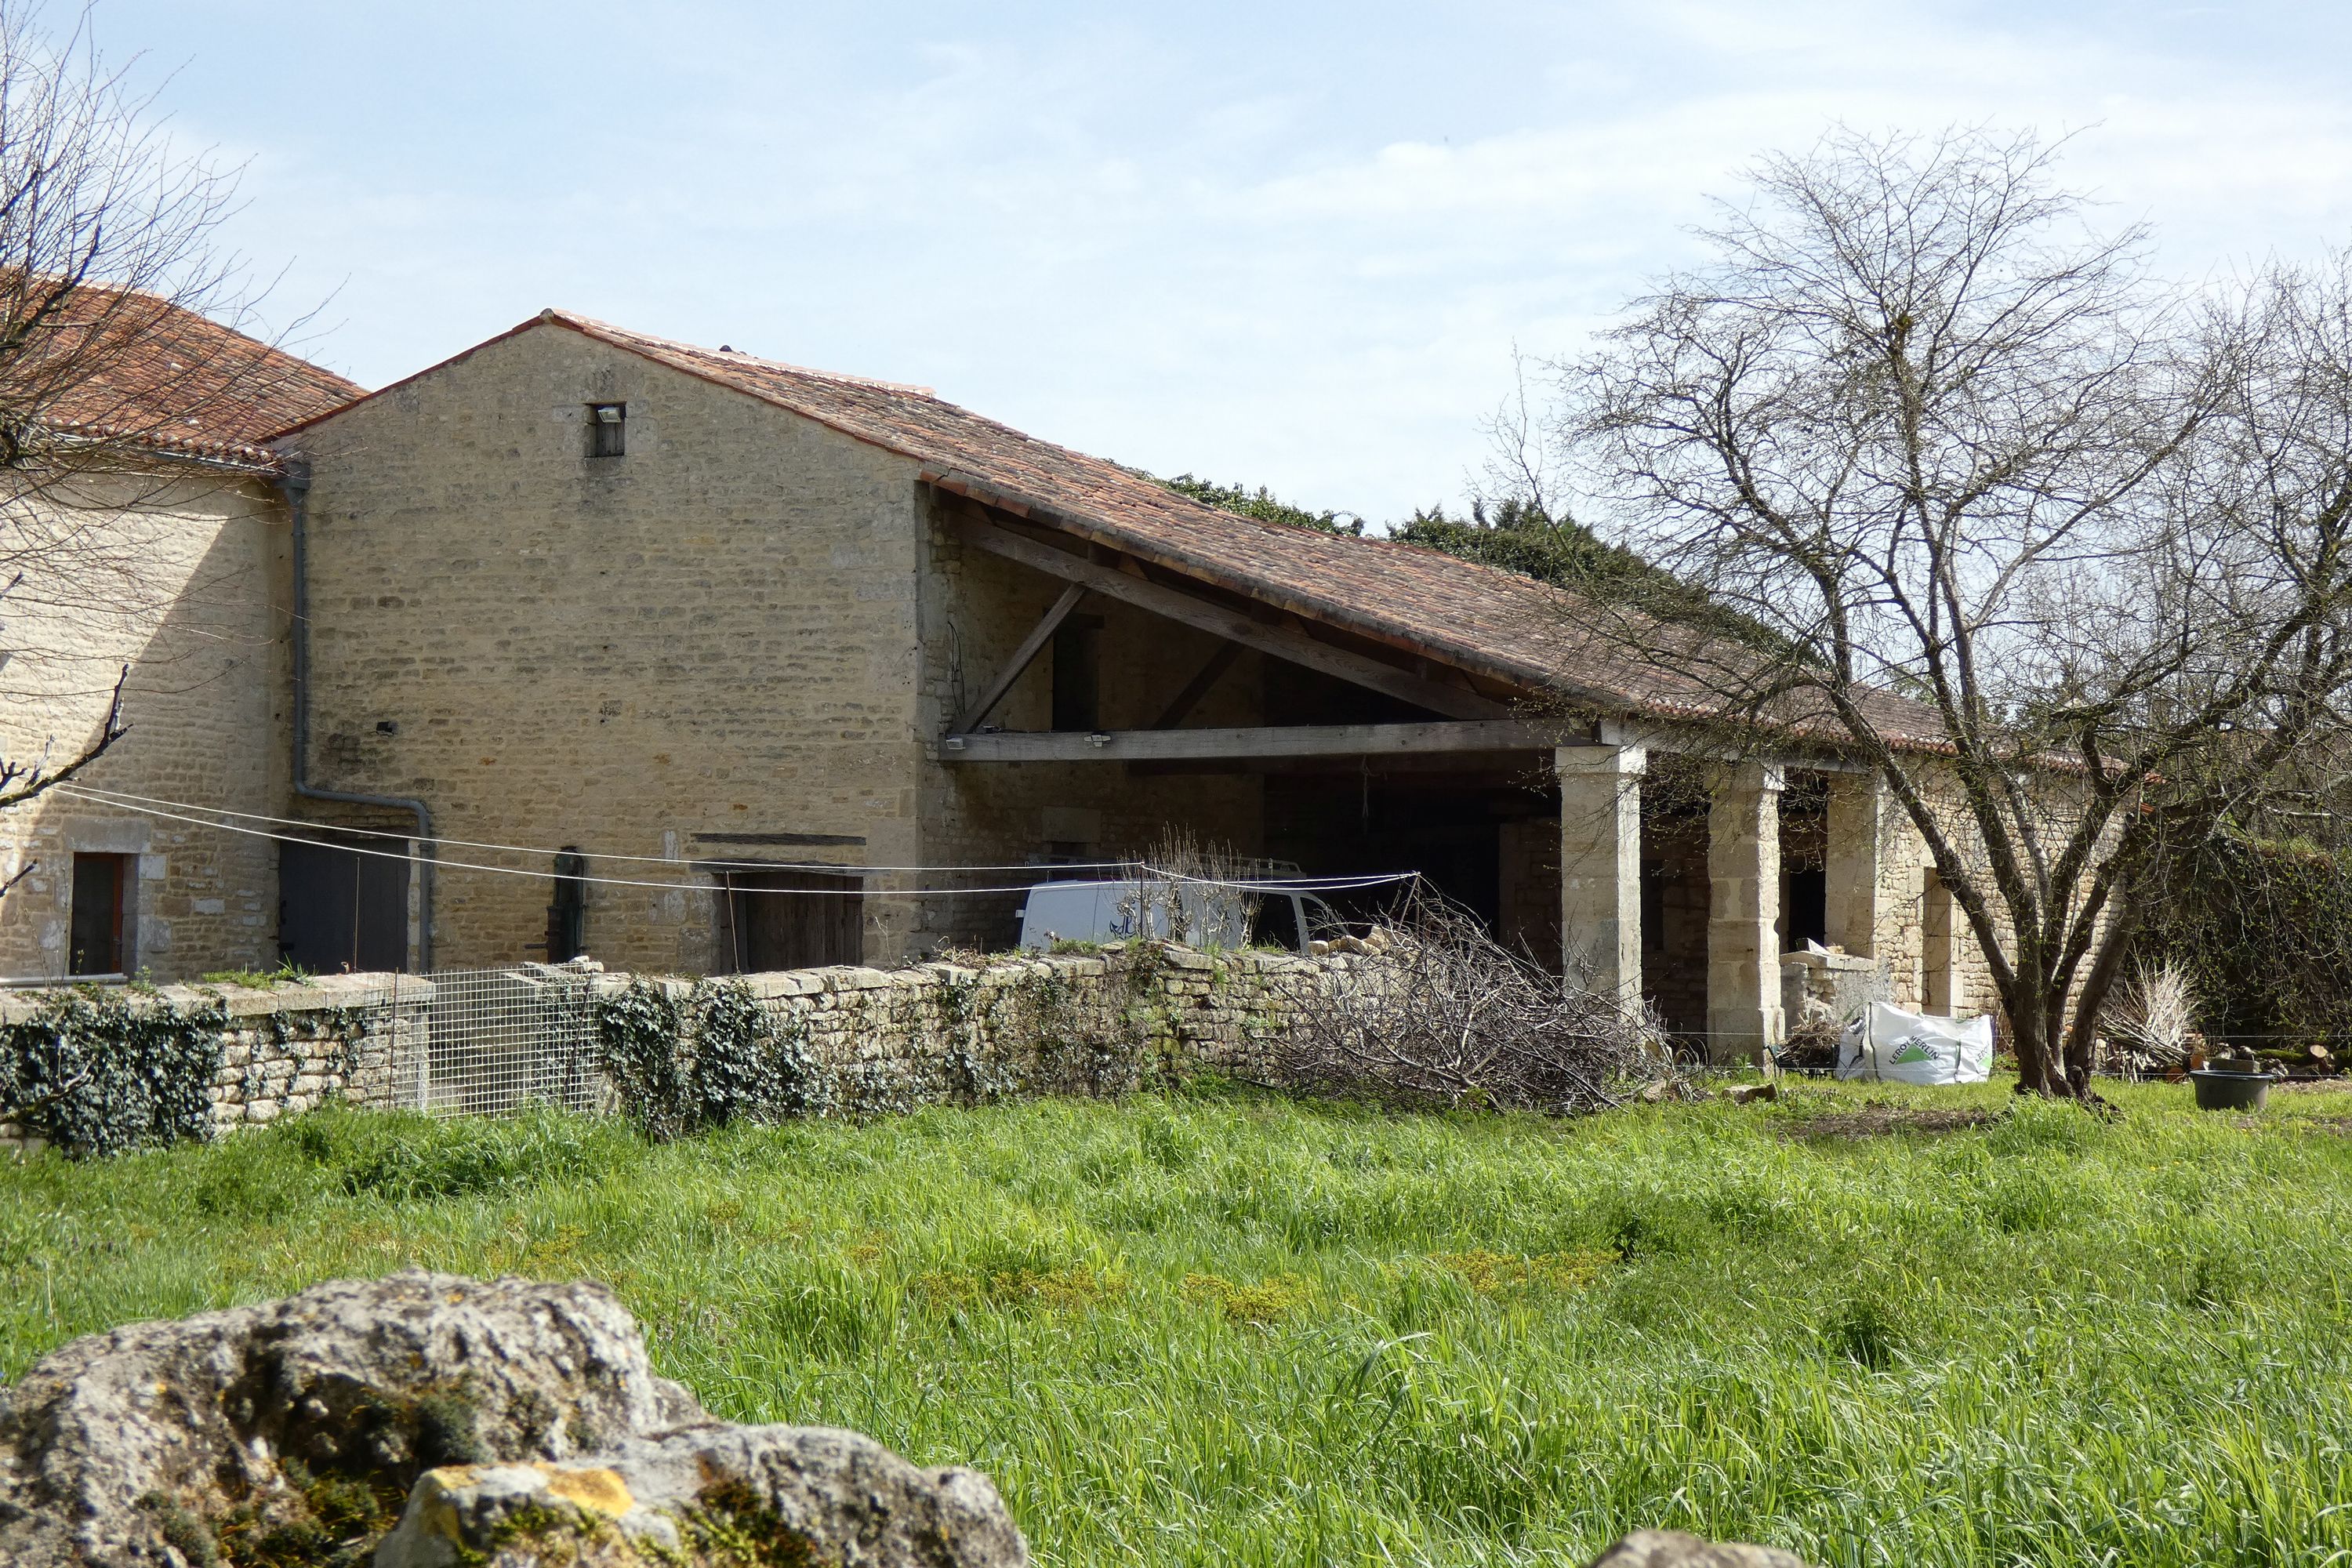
(2264, 925)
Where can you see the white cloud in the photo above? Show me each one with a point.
(1288, 249)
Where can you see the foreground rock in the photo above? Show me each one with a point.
(293, 1432)
(716, 1493)
(1673, 1548)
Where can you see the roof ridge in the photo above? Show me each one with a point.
(611, 330)
(716, 362)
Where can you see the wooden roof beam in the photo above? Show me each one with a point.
(1281, 642)
(1256, 742)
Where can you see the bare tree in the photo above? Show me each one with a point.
(1520, 477)
(2057, 551)
(110, 405)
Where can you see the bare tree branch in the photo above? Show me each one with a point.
(2060, 552)
(127, 390)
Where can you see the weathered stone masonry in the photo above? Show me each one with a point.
(292, 1047)
(207, 707)
(890, 1039)
(887, 1039)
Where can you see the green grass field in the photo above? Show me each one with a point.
(1222, 1328)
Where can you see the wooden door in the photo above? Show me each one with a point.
(796, 920)
(340, 911)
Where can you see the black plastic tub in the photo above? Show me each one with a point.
(2217, 1090)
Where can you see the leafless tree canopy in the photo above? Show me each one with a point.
(114, 393)
(1445, 1015)
(1970, 475)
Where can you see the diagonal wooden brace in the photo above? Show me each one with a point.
(1022, 656)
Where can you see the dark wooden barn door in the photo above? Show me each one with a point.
(796, 920)
(340, 910)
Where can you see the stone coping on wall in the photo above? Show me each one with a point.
(324, 993)
(328, 991)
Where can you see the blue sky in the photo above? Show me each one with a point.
(1293, 245)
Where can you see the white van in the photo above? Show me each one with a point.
(1213, 916)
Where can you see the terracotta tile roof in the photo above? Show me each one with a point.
(1525, 633)
(137, 369)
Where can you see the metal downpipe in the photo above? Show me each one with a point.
(294, 482)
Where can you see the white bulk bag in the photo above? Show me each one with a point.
(1909, 1048)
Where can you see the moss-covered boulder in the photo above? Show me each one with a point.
(294, 1433)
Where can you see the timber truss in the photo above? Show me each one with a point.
(1472, 715)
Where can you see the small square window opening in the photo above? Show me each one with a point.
(608, 425)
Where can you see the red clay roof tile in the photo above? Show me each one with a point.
(169, 379)
(1524, 633)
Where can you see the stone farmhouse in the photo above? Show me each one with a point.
(591, 641)
(171, 565)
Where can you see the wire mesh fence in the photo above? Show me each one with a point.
(490, 1042)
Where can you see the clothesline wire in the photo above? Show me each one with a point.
(1281, 884)
(122, 797)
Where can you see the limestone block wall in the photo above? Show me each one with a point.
(345, 1037)
(1529, 890)
(1928, 931)
(180, 575)
(1827, 988)
(289, 1048)
(977, 609)
(889, 1040)
(702, 649)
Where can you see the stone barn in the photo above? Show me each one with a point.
(695, 661)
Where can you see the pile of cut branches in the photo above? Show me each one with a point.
(1447, 1016)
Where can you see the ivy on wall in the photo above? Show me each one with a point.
(748, 1062)
(714, 1055)
(638, 1030)
(91, 1073)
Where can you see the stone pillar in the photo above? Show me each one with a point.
(1600, 868)
(1862, 844)
(1743, 945)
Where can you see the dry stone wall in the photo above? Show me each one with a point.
(1095, 1023)
(872, 1041)
(277, 1052)
(350, 1037)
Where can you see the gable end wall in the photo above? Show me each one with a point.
(714, 633)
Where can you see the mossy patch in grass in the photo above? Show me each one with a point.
(1257, 1304)
(1497, 1273)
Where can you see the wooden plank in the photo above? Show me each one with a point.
(1269, 740)
(1437, 696)
(1198, 687)
(1022, 656)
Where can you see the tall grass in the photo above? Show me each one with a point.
(1214, 1328)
